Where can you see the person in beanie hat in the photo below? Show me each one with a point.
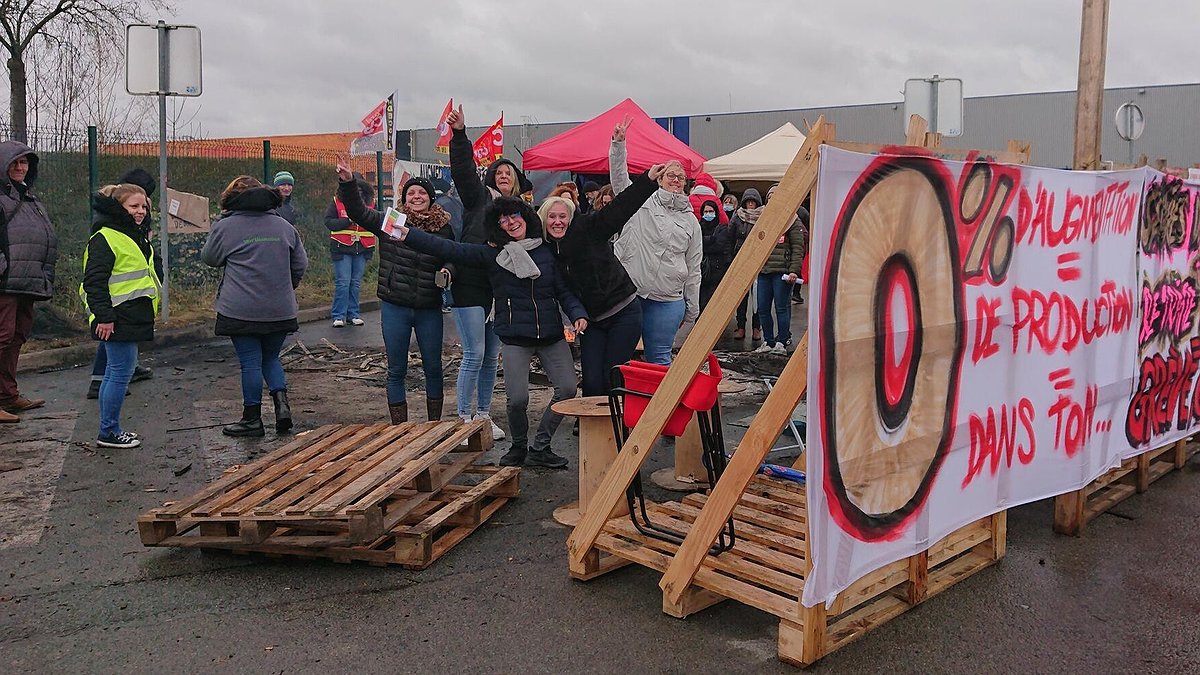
(285, 183)
(141, 178)
(409, 290)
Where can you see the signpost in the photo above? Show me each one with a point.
(162, 61)
(938, 100)
(1131, 123)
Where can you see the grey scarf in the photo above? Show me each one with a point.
(514, 257)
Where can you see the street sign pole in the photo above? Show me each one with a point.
(164, 83)
(933, 102)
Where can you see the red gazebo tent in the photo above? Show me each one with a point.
(584, 149)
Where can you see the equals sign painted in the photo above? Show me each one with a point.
(1067, 270)
(1062, 379)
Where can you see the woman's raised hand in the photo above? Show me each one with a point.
(456, 119)
(622, 127)
(344, 173)
(657, 171)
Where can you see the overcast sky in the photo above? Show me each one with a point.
(304, 66)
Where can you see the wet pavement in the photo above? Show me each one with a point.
(81, 594)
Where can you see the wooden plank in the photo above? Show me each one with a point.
(776, 217)
(329, 476)
(755, 445)
(1009, 156)
(695, 600)
(1089, 100)
(472, 496)
(328, 501)
(785, 553)
(294, 468)
(232, 480)
(917, 128)
(1068, 513)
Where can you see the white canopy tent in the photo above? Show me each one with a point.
(763, 160)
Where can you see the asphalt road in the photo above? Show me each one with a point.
(81, 594)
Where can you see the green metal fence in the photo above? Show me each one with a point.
(73, 163)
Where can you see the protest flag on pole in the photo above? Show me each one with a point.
(444, 131)
(489, 147)
(378, 129)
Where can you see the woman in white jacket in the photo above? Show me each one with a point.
(661, 248)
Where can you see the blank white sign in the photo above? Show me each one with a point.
(918, 100)
(183, 61)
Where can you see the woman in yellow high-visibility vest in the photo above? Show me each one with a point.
(120, 293)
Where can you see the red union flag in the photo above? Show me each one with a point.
(489, 147)
(378, 129)
(444, 131)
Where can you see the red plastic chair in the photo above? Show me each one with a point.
(642, 381)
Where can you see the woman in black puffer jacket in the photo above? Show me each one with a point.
(412, 300)
(530, 295)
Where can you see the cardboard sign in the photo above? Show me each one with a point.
(187, 213)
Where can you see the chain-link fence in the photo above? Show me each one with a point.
(201, 167)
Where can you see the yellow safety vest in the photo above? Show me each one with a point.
(132, 276)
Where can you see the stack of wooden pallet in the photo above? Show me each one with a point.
(401, 494)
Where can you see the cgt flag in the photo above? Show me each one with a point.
(489, 147)
(444, 131)
(378, 129)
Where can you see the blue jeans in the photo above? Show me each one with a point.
(481, 352)
(122, 357)
(399, 323)
(259, 357)
(347, 280)
(660, 322)
(608, 343)
(772, 289)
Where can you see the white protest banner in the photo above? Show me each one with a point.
(1165, 405)
(972, 326)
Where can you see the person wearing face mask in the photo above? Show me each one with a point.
(531, 293)
(718, 249)
(704, 190)
(411, 297)
(596, 275)
(472, 295)
(742, 221)
(120, 293)
(661, 248)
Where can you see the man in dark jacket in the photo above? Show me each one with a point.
(28, 252)
(285, 182)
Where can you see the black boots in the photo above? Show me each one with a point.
(250, 424)
(544, 458)
(283, 411)
(399, 412)
(514, 457)
(433, 406)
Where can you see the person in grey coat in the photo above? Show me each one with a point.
(28, 252)
(263, 261)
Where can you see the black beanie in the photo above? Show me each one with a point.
(591, 186)
(141, 178)
(423, 183)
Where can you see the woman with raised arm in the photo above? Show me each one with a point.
(597, 276)
(411, 298)
(470, 289)
(661, 248)
(530, 294)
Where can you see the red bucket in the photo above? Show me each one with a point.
(642, 380)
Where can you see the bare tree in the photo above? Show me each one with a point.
(23, 23)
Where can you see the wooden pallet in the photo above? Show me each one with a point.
(1074, 510)
(767, 566)
(345, 484)
(422, 536)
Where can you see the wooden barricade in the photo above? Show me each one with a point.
(377, 493)
(1074, 510)
(767, 566)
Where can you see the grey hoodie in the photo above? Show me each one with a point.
(28, 243)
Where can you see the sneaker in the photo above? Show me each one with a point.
(764, 348)
(356, 321)
(545, 459)
(339, 323)
(779, 349)
(497, 432)
(141, 373)
(124, 439)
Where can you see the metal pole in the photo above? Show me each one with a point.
(163, 86)
(378, 179)
(93, 162)
(267, 161)
(933, 111)
(1129, 130)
